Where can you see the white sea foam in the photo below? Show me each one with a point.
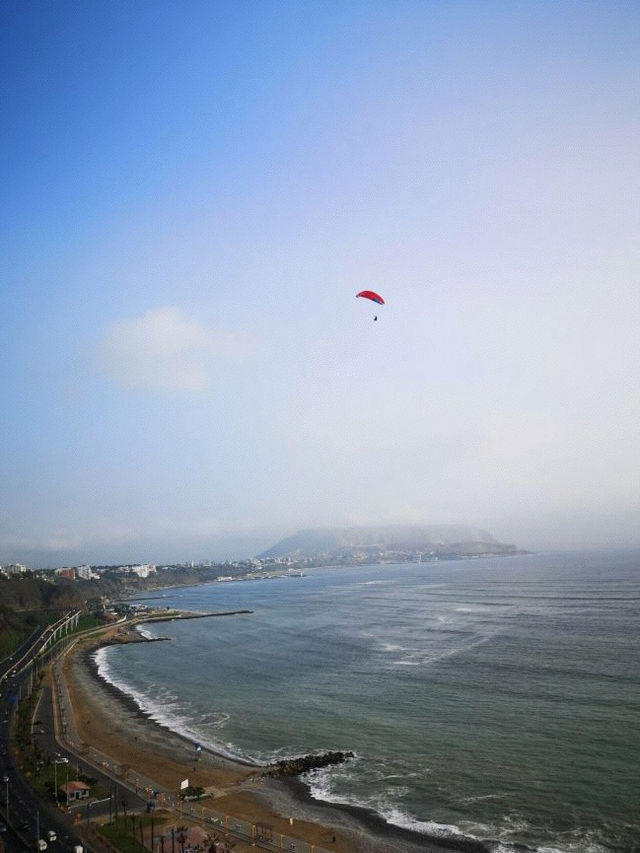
(400, 818)
(581, 844)
(393, 647)
(418, 657)
(480, 798)
(322, 787)
(576, 841)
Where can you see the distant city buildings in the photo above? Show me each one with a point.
(14, 569)
(249, 569)
(86, 573)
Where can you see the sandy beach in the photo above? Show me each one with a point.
(111, 722)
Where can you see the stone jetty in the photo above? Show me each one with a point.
(296, 766)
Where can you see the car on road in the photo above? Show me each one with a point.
(51, 835)
(42, 844)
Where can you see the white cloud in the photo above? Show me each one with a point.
(166, 351)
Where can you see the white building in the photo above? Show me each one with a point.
(143, 571)
(14, 569)
(84, 572)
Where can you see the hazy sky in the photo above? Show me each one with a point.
(191, 195)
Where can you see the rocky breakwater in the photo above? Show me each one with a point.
(296, 766)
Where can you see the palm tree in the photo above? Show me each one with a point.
(182, 836)
(211, 841)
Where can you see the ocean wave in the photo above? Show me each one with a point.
(477, 608)
(419, 657)
(581, 845)
(515, 827)
(393, 647)
(400, 818)
(145, 632)
(322, 788)
(506, 838)
(323, 784)
(481, 798)
(577, 842)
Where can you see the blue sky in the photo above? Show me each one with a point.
(192, 194)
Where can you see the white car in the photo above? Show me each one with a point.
(51, 835)
(42, 844)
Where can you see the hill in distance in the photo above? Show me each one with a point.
(342, 545)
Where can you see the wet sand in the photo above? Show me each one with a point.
(111, 722)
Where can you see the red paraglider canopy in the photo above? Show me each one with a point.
(372, 295)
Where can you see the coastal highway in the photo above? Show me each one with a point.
(25, 654)
(26, 816)
(10, 667)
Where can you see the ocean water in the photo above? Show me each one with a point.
(497, 697)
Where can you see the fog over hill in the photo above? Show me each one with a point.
(308, 544)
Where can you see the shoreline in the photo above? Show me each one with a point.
(125, 699)
(131, 736)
